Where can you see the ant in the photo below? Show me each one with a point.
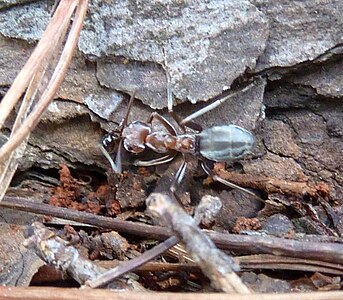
(221, 143)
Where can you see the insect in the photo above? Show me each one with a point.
(221, 143)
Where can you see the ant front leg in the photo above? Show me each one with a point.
(116, 135)
(117, 165)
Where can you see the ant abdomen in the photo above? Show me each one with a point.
(224, 143)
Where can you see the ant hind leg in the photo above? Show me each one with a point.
(215, 177)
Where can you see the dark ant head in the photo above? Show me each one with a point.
(111, 140)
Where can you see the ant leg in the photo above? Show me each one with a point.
(215, 177)
(123, 123)
(116, 166)
(213, 105)
(157, 161)
(176, 118)
(170, 128)
(180, 174)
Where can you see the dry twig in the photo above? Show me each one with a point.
(215, 264)
(56, 251)
(29, 79)
(327, 251)
(273, 185)
(49, 293)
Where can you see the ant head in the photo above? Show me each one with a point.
(111, 140)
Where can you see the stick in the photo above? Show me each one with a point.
(323, 251)
(216, 265)
(132, 264)
(56, 251)
(51, 293)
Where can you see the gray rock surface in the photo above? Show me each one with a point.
(300, 30)
(147, 80)
(14, 54)
(326, 79)
(278, 225)
(26, 21)
(207, 47)
(226, 36)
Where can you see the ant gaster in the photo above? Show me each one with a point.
(221, 143)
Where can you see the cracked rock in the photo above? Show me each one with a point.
(326, 79)
(203, 60)
(300, 30)
(26, 22)
(282, 144)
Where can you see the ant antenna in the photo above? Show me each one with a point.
(123, 123)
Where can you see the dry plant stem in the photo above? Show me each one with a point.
(55, 80)
(268, 184)
(132, 264)
(51, 293)
(31, 75)
(246, 263)
(49, 274)
(60, 19)
(215, 264)
(328, 252)
(9, 166)
(273, 262)
(56, 251)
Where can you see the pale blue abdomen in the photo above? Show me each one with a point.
(225, 143)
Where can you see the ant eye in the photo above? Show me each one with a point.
(107, 140)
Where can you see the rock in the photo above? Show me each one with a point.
(283, 144)
(275, 166)
(82, 86)
(310, 128)
(284, 95)
(278, 225)
(14, 54)
(26, 21)
(236, 204)
(104, 107)
(147, 80)
(203, 60)
(60, 111)
(9, 3)
(326, 79)
(299, 31)
(75, 140)
(311, 132)
(264, 284)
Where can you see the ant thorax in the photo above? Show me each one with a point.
(162, 142)
(134, 136)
